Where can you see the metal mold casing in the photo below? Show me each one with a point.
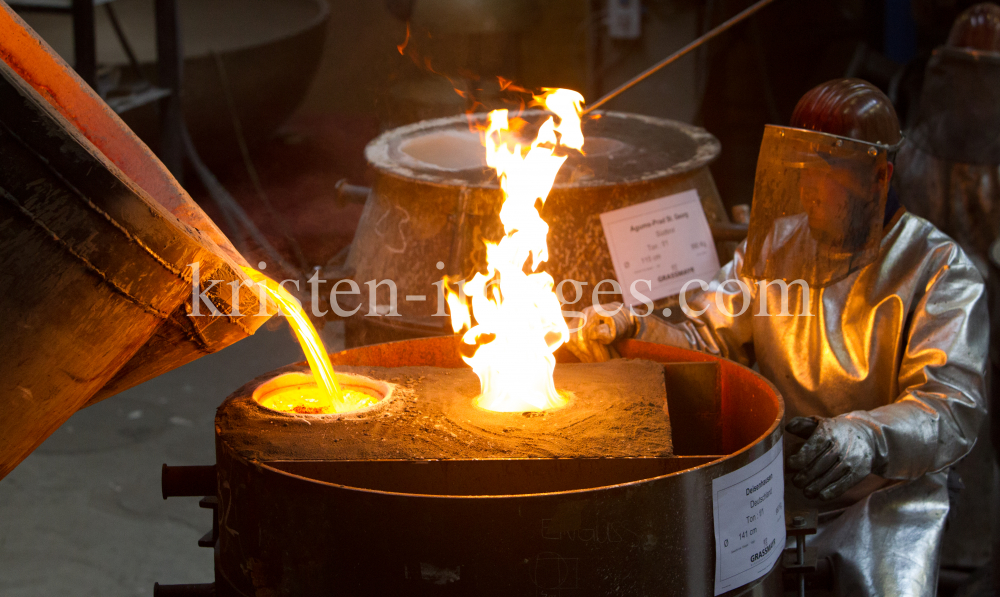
(598, 527)
(419, 214)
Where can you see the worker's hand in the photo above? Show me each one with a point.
(593, 335)
(838, 453)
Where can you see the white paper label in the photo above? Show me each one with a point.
(659, 245)
(749, 508)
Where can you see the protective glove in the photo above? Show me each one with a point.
(593, 335)
(838, 453)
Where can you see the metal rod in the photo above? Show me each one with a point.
(678, 54)
(202, 590)
(350, 193)
(84, 41)
(188, 481)
(170, 74)
(123, 41)
(800, 548)
(728, 231)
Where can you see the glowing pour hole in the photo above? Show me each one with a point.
(324, 395)
(510, 404)
(307, 399)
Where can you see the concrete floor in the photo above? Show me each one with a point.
(83, 515)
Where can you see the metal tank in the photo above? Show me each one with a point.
(294, 518)
(434, 200)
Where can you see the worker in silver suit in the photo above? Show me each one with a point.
(879, 349)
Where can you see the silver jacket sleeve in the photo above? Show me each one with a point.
(934, 421)
(719, 318)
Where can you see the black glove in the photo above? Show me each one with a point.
(838, 453)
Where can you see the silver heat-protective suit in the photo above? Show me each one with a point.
(889, 353)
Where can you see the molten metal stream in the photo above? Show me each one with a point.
(326, 397)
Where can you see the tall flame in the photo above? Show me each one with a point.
(519, 321)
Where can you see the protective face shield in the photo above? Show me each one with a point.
(958, 117)
(818, 206)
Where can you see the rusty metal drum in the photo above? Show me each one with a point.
(434, 201)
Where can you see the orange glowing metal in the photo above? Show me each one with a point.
(519, 321)
(326, 396)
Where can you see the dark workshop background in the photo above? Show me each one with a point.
(281, 112)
